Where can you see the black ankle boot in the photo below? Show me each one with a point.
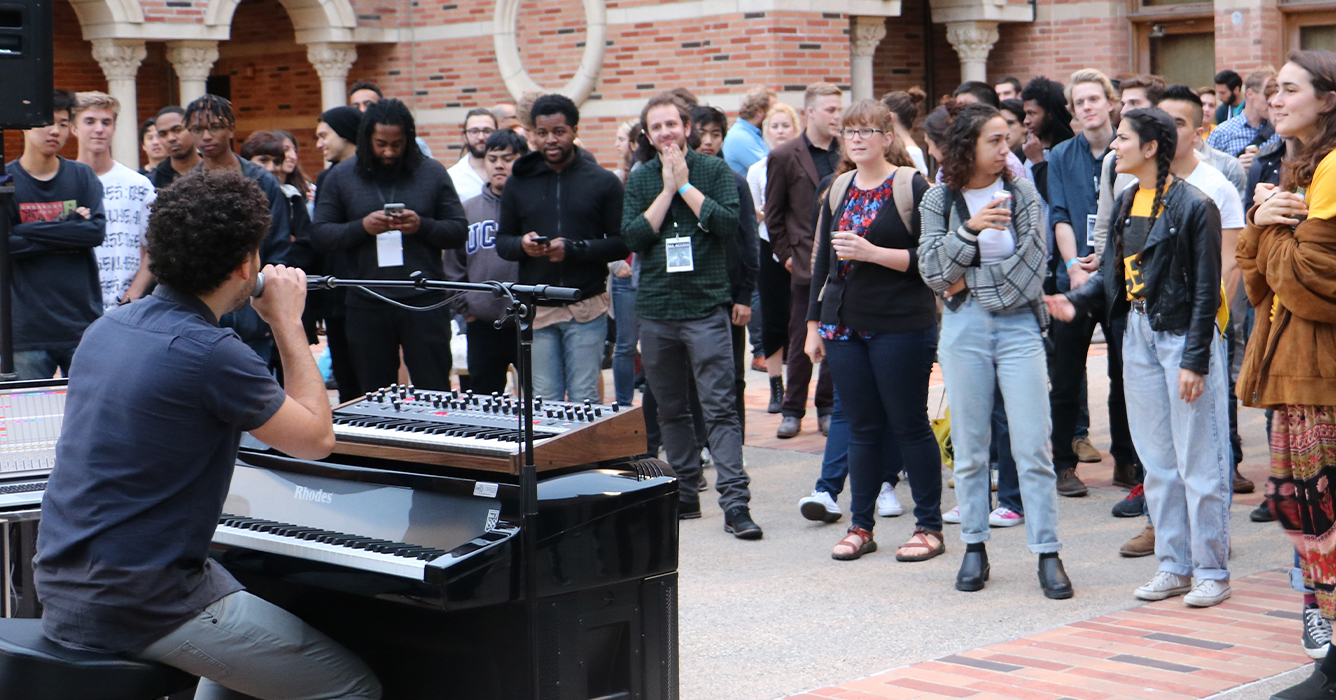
(776, 394)
(1319, 686)
(973, 569)
(1053, 578)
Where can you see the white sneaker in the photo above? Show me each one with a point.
(888, 506)
(1164, 585)
(1005, 517)
(1208, 592)
(952, 516)
(820, 507)
(705, 457)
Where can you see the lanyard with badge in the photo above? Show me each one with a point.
(389, 245)
(677, 248)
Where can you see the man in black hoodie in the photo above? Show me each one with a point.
(392, 244)
(561, 218)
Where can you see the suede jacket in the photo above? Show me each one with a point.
(1181, 266)
(1291, 356)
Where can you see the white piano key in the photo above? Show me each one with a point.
(360, 559)
(407, 438)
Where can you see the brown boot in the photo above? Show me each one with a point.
(1125, 475)
(1070, 485)
(1142, 545)
(1085, 451)
(1242, 484)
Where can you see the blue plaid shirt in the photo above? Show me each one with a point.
(1234, 135)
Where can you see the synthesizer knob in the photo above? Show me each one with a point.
(616, 408)
(395, 401)
(598, 413)
(370, 396)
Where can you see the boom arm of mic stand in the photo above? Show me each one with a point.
(538, 292)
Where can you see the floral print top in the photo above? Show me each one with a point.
(859, 213)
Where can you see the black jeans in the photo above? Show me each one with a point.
(376, 334)
(800, 366)
(341, 359)
(491, 353)
(1066, 370)
(883, 383)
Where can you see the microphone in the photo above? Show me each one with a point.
(259, 287)
(320, 282)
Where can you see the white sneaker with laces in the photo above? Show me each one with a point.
(888, 506)
(952, 516)
(1164, 585)
(1208, 592)
(819, 507)
(1005, 517)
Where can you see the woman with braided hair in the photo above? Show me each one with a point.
(1162, 272)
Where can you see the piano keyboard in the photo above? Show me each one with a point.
(407, 432)
(353, 551)
(472, 431)
(18, 495)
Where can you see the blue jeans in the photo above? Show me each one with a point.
(567, 359)
(883, 382)
(981, 352)
(42, 364)
(1008, 481)
(835, 460)
(628, 335)
(1184, 448)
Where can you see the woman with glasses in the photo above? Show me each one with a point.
(874, 320)
(983, 249)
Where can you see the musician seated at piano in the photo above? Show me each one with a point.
(158, 398)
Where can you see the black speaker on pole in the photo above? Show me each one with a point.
(27, 77)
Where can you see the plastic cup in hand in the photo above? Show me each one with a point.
(837, 253)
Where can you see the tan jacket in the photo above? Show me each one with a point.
(1291, 357)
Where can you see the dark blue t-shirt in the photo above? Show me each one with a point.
(158, 398)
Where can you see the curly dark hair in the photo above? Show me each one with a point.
(961, 140)
(390, 112)
(203, 226)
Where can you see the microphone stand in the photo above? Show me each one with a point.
(7, 373)
(522, 299)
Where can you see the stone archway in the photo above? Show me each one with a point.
(101, 12)
(306, 15)
(511, 67)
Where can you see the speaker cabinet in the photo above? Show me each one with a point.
(27, 76)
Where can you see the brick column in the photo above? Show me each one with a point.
(1255, 40)
(866, 34)
(120, 60)
(192, 60)
(973, 41)
(332, 62)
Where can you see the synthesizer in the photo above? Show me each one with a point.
(474, 431)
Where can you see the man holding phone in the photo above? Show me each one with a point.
(393, 211)
(561, 217)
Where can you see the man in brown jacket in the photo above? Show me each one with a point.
(794, 171)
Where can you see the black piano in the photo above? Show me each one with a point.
(415, 567)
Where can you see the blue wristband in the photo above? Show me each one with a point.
(1071, 262)
(683, 189)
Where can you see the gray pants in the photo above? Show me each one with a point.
(666, 348)
(243, 647)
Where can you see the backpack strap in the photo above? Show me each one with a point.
(902, 191)
(834, 200)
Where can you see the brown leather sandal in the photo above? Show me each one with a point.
(924, 545)
(854, 545)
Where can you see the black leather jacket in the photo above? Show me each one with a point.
(1181, 265)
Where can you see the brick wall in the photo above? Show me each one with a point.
(273, 85)
(1257, 40)
(1057, 48)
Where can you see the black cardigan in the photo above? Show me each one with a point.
(881, 300)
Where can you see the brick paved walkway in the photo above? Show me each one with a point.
(1161, 650)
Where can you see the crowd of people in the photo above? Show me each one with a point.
(865, 242)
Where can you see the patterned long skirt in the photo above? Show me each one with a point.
(1303, 476)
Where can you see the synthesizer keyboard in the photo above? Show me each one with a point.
(473, 431)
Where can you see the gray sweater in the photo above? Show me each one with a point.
(478, 261)
(948, 252)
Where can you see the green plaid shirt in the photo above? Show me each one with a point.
(682, 296)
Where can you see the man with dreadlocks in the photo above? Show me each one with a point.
(1161, 272)
(393, 211)
(212, 124)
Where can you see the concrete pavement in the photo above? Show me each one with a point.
(779, 617)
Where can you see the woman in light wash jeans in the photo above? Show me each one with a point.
(983, 249)
(1161, 270)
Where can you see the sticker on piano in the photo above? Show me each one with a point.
(493, 515)
(484, 489)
